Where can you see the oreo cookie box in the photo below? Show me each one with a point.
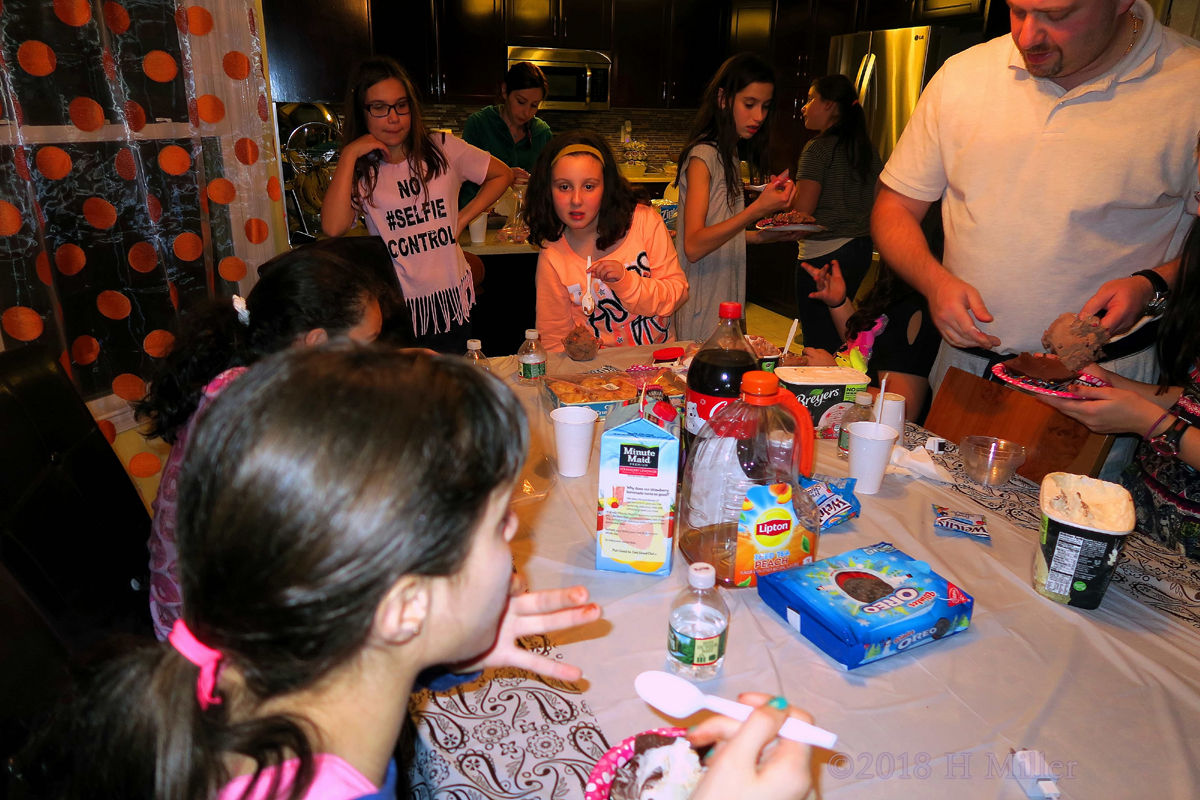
(867, 604)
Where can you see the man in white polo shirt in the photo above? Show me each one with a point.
(1065, 157)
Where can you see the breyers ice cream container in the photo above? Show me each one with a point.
(827, 392)
(1084, 526)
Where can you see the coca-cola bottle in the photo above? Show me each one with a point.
(715, 376)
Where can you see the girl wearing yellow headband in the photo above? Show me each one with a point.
(607, 264)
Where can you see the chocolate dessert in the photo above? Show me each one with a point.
(1049, 373)
(1076, 341)
(581, 344)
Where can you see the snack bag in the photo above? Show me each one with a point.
(834, 497)
(960, 522)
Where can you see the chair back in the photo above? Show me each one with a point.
(969, 406)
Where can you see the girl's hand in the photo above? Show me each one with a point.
(520, 175)
(776, 197)
(819, 358)
(607, 271)
(831, 286)
(363, 145)
(1108, 410)
(532, 613)
(737, 767)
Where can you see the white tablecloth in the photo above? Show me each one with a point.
(1113, 694)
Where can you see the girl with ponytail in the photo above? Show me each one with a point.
(343, 527)
(835, 183)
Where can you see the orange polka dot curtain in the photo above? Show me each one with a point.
(137, 175)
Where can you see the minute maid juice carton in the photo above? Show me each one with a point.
(639, 472)
(867, 604)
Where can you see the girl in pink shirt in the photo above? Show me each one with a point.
(580, 208)
(405, 181)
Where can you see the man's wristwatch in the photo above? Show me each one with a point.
(1161, 291)
(1167, 443)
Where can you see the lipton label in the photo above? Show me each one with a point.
(770, 537)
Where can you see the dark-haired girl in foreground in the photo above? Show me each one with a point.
(1163, 477)
(344, 525)
(405, 181)
(835, 183)
(305, 298)
(580, 207)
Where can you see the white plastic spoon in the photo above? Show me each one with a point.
(588, 301)
(678, 699)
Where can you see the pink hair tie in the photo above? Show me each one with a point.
(207, 659)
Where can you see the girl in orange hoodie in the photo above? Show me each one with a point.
(579, 207)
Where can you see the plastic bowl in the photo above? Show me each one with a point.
(990, 461)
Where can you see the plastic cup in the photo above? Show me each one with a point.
(990, 461)
(892, 412)
(478, 228)
(870, 451)
(574, 430)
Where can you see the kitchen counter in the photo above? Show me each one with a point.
(490, 247)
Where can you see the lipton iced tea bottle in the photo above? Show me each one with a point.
(743, 511)
(715, 376)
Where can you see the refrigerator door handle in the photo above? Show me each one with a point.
(865, 72)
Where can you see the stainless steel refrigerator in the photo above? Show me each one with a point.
(890, 68)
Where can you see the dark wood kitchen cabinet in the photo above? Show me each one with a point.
(876, 15)
(751, 23)
(575, 24)
(641, 48)
(453, 49)
(698, 48)
(312, 46)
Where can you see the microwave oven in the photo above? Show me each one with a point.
(578, 80)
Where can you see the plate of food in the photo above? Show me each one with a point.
(790, 221)
(659, 762)
(1037, 373)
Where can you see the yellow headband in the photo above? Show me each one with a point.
(572, 149)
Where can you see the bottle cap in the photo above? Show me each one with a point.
(474, 344)
(762, 384)
(668, 354)
(665, 411)
(531, 333)
(730, 311)
(702, 576)
(864, 399)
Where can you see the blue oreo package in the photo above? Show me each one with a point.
(867, 604)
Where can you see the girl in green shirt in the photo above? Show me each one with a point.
(511, 130)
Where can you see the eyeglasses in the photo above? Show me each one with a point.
(382, 110)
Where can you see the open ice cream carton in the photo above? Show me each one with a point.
(657, 763)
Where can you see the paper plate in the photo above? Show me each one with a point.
(797, 226)
(1025, 385)
(599, 783)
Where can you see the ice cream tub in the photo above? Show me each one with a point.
(1085, 523)
(827, 392)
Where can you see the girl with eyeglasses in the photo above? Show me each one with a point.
(405, 182)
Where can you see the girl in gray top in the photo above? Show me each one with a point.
(713, 217)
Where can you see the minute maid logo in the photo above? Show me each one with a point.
(638, 459)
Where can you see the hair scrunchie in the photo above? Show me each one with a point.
(204, 657)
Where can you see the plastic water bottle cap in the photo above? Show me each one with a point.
(531, 333)
(474, 344)
(864, 399)
(702, 576)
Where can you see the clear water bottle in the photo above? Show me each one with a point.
(475, 355)
(531, 360)
(861, 412)
(699, 626)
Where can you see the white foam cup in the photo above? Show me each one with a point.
(478, 228)
(574, 430)
(892, 413)
(870, 451)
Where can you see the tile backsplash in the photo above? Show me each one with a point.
(662, 131)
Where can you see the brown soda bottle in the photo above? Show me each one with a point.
(715, 375)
